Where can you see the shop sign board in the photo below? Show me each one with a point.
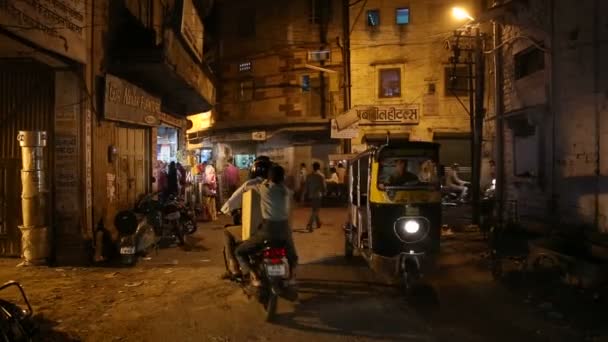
(258, 136)
(128, 103)
(172, 120)
(350, 132)
(401, 114)
(56, 25)
(191, 28)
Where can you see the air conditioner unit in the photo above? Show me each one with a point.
(318, 56)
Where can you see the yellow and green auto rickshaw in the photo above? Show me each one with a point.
(395, 209)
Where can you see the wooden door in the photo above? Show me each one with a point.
(133, 165)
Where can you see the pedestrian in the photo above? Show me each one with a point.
(172, 180)
(301, 182)
(181, 172)
(231, 176)
(211, 183)
(315, 188)
(341, 171)
(333, 182)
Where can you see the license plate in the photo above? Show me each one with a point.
(276, 270)
(127, 250)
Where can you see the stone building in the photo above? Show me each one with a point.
(42, 59)
(104, 79)
(555, 104)
(401, 79)
(147, 72)
(280, 73)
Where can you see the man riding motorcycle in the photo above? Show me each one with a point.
(275, 200)
(454, 183)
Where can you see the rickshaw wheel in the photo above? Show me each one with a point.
(409, 278)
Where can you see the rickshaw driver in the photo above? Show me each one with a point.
(402, 176)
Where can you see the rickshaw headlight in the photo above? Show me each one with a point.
(411, 226)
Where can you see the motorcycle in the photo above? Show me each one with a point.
(452, 198)
(273, 268)
(137, 229)
(16, 324)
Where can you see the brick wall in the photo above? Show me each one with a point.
(278, 53)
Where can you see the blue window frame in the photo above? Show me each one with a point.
(402, 16)
(305, 83)
(373, 18)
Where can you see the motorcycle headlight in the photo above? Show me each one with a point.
(411, 227)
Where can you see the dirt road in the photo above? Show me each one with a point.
(177, 296)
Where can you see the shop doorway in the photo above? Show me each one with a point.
(167, 144)
(133, 165)
(27, 101)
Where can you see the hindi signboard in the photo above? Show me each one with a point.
(389, 115)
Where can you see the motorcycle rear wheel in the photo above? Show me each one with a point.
(271, 306)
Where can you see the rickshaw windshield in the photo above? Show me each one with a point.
(407, 168)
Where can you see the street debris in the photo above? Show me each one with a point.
(135, 284)
(111, 275)
(205, 260)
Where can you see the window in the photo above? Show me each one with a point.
(390, 82)
(245, 66)
(373, 18)
(456, 81)
(318, 56)
(306, 83)
(245, 91)
(402, 16)
(528, 62)
(525, 147)
(525, 155)
(319, 10)
(246, 24)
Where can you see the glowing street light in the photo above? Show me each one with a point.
(461, 14)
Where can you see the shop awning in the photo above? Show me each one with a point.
(243, 130)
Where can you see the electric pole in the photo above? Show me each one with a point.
(472, 41)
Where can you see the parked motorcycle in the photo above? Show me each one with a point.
(16, 323)
(138, 229)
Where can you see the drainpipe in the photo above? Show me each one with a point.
(498, 117)
(323, 22)
(596, 93)
(554, 110)
(346, 62)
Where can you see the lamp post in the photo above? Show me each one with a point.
(476, 97)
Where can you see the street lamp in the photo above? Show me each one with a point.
(461, 14)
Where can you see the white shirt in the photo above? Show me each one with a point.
(236, 200)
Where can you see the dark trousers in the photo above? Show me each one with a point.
(315, 207)
(270, 230)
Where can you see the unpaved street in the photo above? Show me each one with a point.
(178, 296)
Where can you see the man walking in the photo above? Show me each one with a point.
(231, 176)
(315, 188)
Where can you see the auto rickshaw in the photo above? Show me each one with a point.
(395, 209)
